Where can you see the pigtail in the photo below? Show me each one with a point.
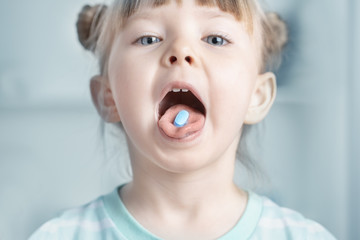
(89, 24)
(275, 39)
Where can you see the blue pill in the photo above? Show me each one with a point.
(181, 118)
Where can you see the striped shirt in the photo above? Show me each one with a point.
(107, 218)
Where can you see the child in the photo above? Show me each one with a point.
(183, 78)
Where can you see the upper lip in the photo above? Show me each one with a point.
(180, 85)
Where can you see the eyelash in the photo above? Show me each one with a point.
(139, 39)
(219, 35)
(224, 37)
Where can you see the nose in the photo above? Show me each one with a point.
(180, 53)
(173, 60)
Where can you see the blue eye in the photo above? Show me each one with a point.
(148, 40)
(216, 40)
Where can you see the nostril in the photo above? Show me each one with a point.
(188, 59)
(173, 59)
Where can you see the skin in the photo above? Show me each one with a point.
(188, 186)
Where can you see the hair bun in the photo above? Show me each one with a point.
(88, 24)
(279, 30)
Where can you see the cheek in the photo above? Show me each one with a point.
(131, 90)
(233, 86)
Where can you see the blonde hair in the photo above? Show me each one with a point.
(99, 25)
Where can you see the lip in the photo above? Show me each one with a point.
(180, 85)
(195, 137)
(187, 139)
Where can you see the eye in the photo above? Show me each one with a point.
(148, 40)
(216, 40)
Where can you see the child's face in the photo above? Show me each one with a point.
(198, 48)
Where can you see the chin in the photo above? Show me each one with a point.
(185, 161)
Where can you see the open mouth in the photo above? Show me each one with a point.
(183, 97)
(172, 104)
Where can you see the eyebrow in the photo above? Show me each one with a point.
(212, 12)
(141, 14)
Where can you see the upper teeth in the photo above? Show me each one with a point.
(178, 90)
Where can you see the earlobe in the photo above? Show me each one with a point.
(103, 99)
(262, 98)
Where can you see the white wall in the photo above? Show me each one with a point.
(306, 150)
(51, 155)
(354, 120)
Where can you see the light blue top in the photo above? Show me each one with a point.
(107, 218)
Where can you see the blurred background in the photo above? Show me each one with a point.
(52, 156)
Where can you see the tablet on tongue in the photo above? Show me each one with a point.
(195, 122)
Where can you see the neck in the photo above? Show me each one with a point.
(201, 189)
(203, 202)
(183, 190)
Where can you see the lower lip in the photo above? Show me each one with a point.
(192, 138)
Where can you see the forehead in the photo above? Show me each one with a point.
(240, 9)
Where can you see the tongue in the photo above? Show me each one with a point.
(195, 122)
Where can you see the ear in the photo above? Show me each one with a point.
(262, 98)
(103, 99)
